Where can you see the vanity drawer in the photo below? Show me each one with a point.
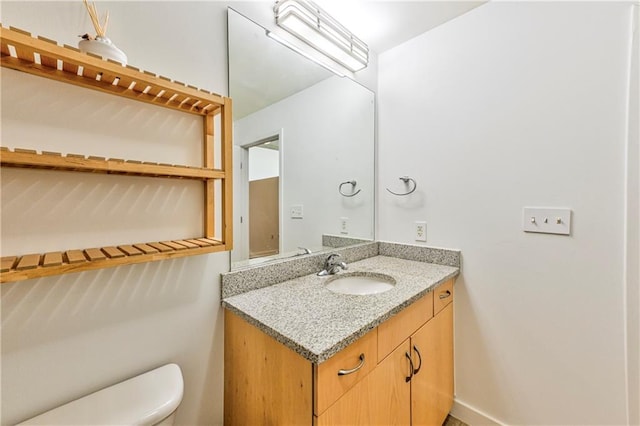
(443, 295)
(397, 329)
(342, 371)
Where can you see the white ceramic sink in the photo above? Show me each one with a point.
(360, 283)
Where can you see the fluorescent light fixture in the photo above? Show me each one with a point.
(296, 49)
(318, 29)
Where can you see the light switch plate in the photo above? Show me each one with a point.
(297, 211)
(547, 220)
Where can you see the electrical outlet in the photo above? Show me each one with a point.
(344, 225)
(421, 231)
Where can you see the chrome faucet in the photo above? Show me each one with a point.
(332, 265)
(304, 251)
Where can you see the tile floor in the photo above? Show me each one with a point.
(452, 421)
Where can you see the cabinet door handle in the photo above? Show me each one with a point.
(408, 378)
(354, 369)
(417, 370)
(445, 294)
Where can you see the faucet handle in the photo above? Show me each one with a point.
(332, 266)
(329, 261)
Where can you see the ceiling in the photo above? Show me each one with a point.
(386, 24)
(263, 72)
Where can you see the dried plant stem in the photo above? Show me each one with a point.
(101, 29)
(106, 23)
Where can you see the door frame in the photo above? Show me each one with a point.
(244, 188)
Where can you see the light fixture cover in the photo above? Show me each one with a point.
(308, 22)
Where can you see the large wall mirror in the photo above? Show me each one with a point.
(303, 151)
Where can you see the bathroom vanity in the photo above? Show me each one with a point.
(298, 353)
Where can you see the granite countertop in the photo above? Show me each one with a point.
(317, 323)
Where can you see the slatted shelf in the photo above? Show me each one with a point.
(43, 57)
(40, 56)
(79, 163)
(17, 268)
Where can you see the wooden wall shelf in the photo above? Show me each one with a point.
(79, 163)
(17, 268)
(45, 58)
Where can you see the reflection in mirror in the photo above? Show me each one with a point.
(299, 133)
(264, 199)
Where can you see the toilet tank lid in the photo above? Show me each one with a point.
(146, 399)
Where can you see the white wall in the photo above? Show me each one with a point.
(66, 336)
(633, 227)
(263, 163)
(323, 144)
(520, 104)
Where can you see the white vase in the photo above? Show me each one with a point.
(102, 46)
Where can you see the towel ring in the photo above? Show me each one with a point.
(406, 180)
(353, 184)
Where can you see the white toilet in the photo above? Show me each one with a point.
(148, 399)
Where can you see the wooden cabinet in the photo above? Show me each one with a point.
(396, 330)
(45, 58)
(414, 383)
(265, 383)
(443, 296)
(403, 373)
(342, 371)
(381, 398)
(432, 382)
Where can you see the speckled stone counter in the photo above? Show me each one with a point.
(317, 323)
(248, 279)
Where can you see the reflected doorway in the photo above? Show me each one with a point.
(263, 168)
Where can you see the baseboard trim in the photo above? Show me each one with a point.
(471, 415)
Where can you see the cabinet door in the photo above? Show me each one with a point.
(383, 397)
(400, 327)
(432, 385)
(266, 383)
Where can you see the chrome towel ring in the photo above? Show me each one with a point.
(406, 180)
(353, 184)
